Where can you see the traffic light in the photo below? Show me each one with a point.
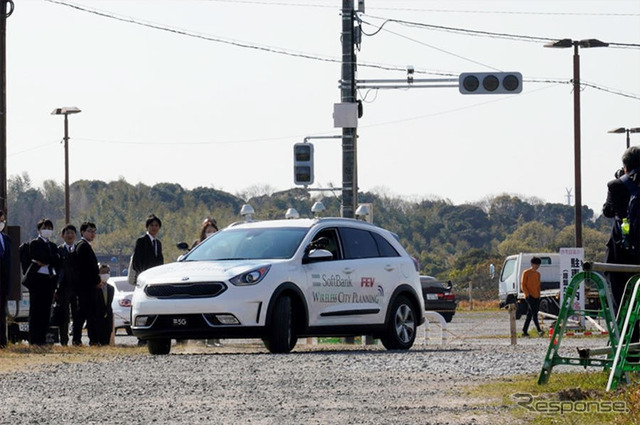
(490, 82)
(303, 164)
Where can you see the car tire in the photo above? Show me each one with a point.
(280, 335)
(159, 346)
(521, 309)
(448, 317)
(548, 306)
(402, 325)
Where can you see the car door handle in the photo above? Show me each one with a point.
(389, 268)
(348, 270)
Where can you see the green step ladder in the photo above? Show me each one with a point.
(553, 358)
(627, 354)
(622, 355)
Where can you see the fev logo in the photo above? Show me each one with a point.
(367, 282)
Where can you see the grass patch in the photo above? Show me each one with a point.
(479, 305)
(568, 398)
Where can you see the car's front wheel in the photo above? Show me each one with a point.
(280, 336)
(159, 346)
(402, 325)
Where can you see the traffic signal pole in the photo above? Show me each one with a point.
(487, 83)
(348, 95)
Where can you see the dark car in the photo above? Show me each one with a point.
(438, 297)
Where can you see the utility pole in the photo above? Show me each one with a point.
(4, 14)
(348, 95)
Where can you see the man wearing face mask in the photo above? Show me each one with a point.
(5, 269)
(87, 280)
(42, 283)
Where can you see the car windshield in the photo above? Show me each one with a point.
(249, 244)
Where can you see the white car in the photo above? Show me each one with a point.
(280, 280)
(121, 304)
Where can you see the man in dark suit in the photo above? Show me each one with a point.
(623, 246)
(87, 279)
(148, 250)
(618, 250)
(5, 273)
(41, 281)
(65, 297)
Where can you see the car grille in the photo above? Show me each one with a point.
(186, 290)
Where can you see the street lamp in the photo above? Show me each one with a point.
(565, 43)
(625, 130)
(67, 110)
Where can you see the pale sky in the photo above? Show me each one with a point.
(162, 106)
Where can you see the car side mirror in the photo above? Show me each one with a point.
(183, 246)
(320, 243)
(317, 255)
(449, 285)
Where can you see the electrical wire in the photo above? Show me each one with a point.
(435, 48)
(273, 3)
(489, 34)
(413, 9)
(506, 12)
(303, 55)
(186, 33)
(32, 148)
(454, 110)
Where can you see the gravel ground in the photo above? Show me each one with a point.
(241, 383)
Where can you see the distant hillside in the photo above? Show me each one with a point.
(456, 242)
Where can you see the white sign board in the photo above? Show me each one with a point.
(570, 264)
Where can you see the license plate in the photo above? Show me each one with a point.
(23, 326)
(432, 296)
(178, 322)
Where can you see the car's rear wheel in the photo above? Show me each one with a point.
(447, 317)
(280, 336)
(402, 325)
(548, 306)
(159, 346)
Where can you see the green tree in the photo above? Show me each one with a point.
(530, 237)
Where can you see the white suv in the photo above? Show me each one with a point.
(280, 280)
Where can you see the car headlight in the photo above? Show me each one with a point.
(251, 277)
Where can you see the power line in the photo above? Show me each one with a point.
(478, 33)
(430, 10)
(582, 83)
(430, 46)
(273, 3)
(303, 55)
(185, 33)
(506, 12)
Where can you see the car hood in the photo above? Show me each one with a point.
(198, 271)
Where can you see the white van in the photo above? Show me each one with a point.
(509, 290)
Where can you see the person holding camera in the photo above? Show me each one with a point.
(623, 205)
